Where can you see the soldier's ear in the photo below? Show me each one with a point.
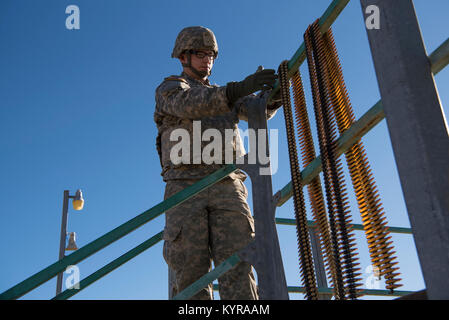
(183, 58)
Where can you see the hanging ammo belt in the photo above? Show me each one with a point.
(315, 190)
(333, 111)
(305, 252)
(373, 216)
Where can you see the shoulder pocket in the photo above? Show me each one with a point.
(169, 87)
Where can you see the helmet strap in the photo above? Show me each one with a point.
(200, 74)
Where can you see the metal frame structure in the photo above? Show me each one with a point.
(418, 133)
(264, 252)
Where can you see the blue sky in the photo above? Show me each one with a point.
(76, 111)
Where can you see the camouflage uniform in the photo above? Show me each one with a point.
(216, 222)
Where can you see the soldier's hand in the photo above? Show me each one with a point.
(261, 79)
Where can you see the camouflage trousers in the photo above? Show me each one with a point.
(212, 225)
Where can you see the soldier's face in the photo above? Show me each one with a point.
(201, 64)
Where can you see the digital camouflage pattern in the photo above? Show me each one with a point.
(217, 222)
(213, 224)
(192, 38)
(179, 101)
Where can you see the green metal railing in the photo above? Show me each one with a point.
(358, 227)
(110, 267)
(235, 259)
(438, 59)
(46, 274)
(208, 278)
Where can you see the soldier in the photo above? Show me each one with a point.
(217, 222)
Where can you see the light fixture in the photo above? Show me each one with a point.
(78, 201)
(72, 242)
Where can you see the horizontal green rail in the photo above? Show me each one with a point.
(328, 291)
(100, 273)
(232, 261)
(311, 223)
(439, 59)
(368, 292)
(46, 274)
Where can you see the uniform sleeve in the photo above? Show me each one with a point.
(178, 99)
(242, 104)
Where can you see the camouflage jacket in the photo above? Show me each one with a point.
(180, 100)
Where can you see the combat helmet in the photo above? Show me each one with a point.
(192, 38)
